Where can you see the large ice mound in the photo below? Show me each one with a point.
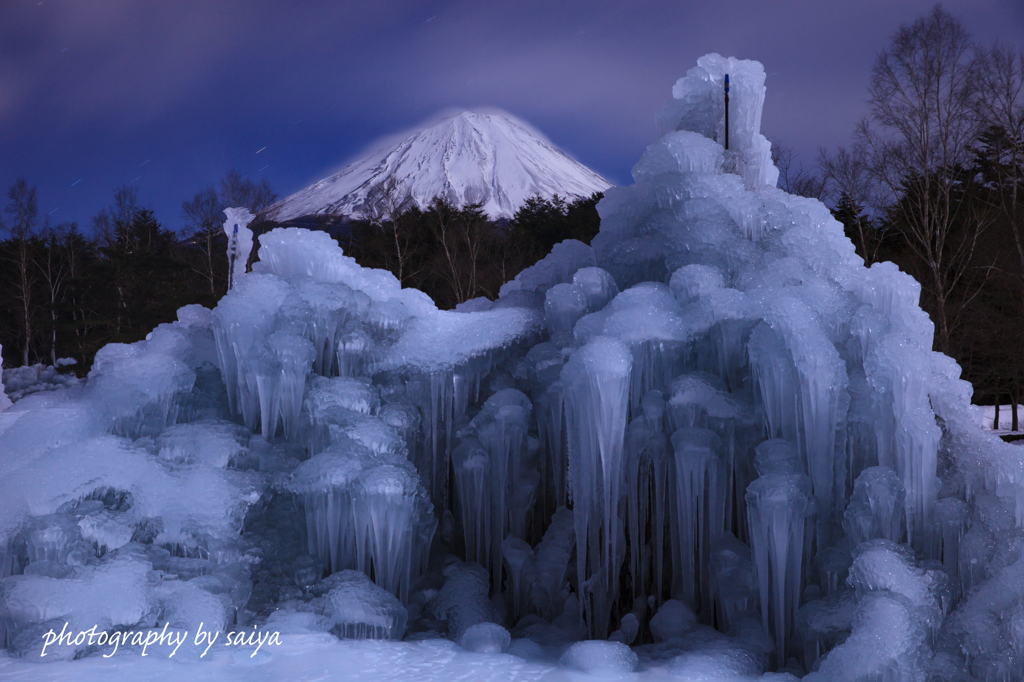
(711, 437)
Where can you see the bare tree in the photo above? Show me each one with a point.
(237, 190)
(794, 177)
(204, 216)
(55, 264)
(462, 235)
(20, 220)
(386, 208)
(111, 224)
(846, 178)
(1002, 150)
(446, 234)
(917, 144)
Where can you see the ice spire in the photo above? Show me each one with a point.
(239, 242)
(777, 505)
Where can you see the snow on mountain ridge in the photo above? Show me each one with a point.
(488, 157)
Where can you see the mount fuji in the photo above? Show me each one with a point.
(485, 156)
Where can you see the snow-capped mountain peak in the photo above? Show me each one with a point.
(485, 156)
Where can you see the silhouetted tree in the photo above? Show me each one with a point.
(917, 143)
(20, 221)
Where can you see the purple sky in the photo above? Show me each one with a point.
(170, 95)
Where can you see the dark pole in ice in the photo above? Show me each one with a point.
(727, 111)
(232, 250)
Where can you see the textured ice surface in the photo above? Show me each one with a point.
(709, 444)
(189, 501)
(600, 657)
(19, 382)
(718, 660)
(358, 609)
(486, 638)
(366, 511)
(559, 266)
(672, 621)
(462, 601)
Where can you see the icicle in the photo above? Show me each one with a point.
(480, 526)
(554, 457)
(552, 561)
(777, 504)
(951, 514)
(907, 435)
(647, 486)
(521, 503)
(355, 352)
(295, 356)
(443, 394)
(366, 512)
(521, 569)
(861, 445)
(876, 507)
(333, 305)
(596, 380)
(733, 581)
(700, 400)
(51, 537)
(646, 317)
(775, 378)
(700, 511)
(637, 493)
(813, 387)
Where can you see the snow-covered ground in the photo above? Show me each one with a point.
(317, 656)
(299, 658)
(985, 416)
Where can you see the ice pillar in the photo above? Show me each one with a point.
(239, 242)
(777, 505)
(596, 380)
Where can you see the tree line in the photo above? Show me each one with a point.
(456, 254)
(67, 292)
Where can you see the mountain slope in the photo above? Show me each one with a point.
(488, 157)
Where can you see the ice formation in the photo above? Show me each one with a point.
(712, 438)
(236, 229)
(358, 609)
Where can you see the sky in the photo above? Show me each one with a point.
(168, 96)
